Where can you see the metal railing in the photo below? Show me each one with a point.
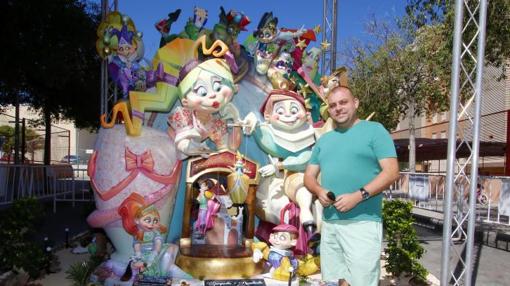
(55, 182)
(82, 190)
(427, 192)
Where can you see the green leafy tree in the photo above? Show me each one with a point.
(7, 132)
(49, 60)
(441, 13)
(396, 75)
(404, 71)
(392, 74)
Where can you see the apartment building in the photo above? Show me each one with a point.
(495, 115)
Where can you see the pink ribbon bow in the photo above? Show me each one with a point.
(143, 161)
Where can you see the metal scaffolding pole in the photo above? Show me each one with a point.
(469, 69)
(329, 31)
(476, 143)
(108, 88)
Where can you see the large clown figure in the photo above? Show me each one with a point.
(287, 137)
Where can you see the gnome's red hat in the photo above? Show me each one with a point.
(284, 227)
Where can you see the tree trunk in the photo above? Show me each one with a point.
(412, 139)
(47, 136)
(16, 131)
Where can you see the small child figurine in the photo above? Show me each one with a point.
(279, 255)
(152, 255)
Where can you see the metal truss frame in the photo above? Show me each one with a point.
(465, 102)
(109, 90)
(329, 31)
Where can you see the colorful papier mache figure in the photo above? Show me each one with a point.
(229, 27)
(123, 66)
(152, 256)
(121, 45)
(288, 138)
(307, 80)
(279, 255)
(337, 78)
(206, 89)
(164, 27)
(193, 29)
(201, 77)
(279, 71)
(216, 215)
(271, 40)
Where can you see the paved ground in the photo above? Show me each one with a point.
(67, 259)
(66, 217)
(491, 266)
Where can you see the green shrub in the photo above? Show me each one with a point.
(17, 228)
(403, 250)
(79, 272)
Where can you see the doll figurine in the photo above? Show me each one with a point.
(208, 206)
(238, 182)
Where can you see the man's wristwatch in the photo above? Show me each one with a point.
(364, 194)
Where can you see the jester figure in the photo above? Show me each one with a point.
(123, 65)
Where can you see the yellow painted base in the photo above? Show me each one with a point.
(219, 268)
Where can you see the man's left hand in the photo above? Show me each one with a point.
(346, 202)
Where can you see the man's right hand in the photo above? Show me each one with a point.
(324, 199)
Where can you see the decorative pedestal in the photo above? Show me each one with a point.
(218, 261)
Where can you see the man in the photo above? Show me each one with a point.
(357, 161)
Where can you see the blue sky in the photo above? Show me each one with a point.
(353, 15)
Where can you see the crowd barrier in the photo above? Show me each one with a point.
(55, 182)
(427, 190)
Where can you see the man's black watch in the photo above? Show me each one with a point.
(364, 194)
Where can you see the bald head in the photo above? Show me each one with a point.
(341, 89)
(342, 106)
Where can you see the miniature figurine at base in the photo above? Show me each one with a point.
(279, 255)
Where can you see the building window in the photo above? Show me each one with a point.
(443, 134)
(434, 135)
(434, 118)
(443, 116)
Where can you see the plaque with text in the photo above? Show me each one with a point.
(235, 282)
